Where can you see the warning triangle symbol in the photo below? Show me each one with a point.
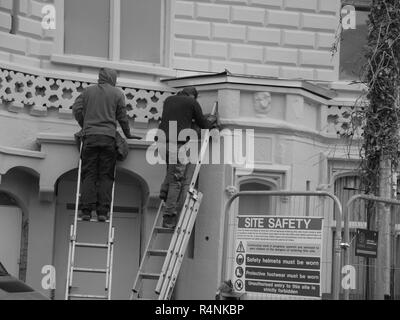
(240, 247)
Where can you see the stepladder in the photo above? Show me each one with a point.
(167, 247)
(79, 276)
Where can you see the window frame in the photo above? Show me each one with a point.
(273, 185)
(164, 68)
(276, 177)
(359, 6)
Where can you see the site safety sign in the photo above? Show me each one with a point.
(278, 255)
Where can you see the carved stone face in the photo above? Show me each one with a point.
(262, 103)
(230, 190)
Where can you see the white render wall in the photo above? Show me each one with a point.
(30, 44)
(275, 38)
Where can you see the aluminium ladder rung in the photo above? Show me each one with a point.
(156, 230)
(178, 245)
(159, 253)
(186, 213)
(89, 270)
(91, 245)
(87, 296)
(93, 220)
(179, 252)
(164, 230)
(153, 276)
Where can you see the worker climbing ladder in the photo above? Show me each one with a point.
(179, 238)
(74, 245)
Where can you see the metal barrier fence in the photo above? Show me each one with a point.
(292, 203)
(355, 217)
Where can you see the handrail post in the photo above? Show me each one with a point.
(346, 245)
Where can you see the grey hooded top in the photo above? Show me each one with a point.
(98, 108)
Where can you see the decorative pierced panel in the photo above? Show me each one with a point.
(344, 121)
(20, 90)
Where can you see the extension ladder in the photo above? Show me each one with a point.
(74, 244)
(166, 279)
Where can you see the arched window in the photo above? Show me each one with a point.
(256, 204)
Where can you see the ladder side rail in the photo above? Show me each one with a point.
(111, 264)
(182, 251)
(203, 150)
(110, 227)
(174, 239)
(71, 249)
(67, 286)
(72, 262)
(135, 288)
(186, 217)
(71, 275)
(78, 190)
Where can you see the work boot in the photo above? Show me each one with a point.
(86, 214)
(163, 195)
(169, 221)
(102, 216)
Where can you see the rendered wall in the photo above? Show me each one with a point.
(275, 38)
(30, 44)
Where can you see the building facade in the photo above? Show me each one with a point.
(268, 63)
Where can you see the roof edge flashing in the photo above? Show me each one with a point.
(230, 78)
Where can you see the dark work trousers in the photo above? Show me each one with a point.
(98, 162)
(176, 182)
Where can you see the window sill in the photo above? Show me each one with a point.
(121, 66)
(68, 139)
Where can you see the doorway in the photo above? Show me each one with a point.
(127, 239)
(10, 234)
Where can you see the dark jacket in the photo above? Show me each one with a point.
(184, 110)
(98, 108)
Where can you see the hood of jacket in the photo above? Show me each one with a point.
(107, 76)
(188, 91)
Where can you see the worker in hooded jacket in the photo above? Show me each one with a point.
(98, 109)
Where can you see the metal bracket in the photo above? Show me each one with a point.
(194, 193)
(344, 245)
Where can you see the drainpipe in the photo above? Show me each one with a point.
(14, 17)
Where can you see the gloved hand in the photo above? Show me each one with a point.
(214, 121)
